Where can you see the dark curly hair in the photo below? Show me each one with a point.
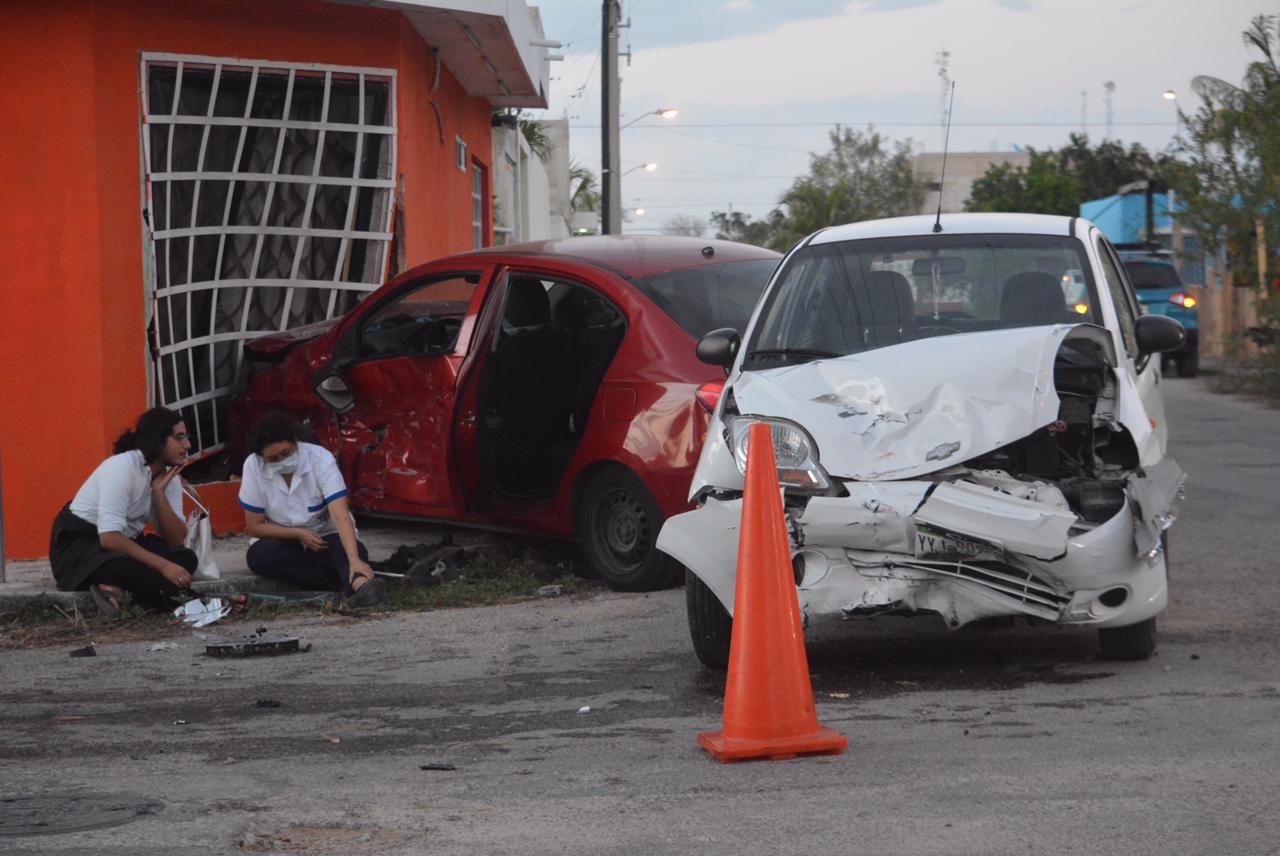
(274, 428)
(149, 435)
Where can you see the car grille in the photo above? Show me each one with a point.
(1031, 593)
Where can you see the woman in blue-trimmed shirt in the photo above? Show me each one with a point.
(297, 515)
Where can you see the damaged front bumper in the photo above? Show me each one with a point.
(978, 545)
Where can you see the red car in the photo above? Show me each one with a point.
(548, 387)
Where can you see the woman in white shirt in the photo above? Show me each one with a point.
(97, 541)
(296, 512)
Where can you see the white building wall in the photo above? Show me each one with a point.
(538, 219)
(523, 209)
(963, 169)
(557, 168)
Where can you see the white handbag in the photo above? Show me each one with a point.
(200, 537)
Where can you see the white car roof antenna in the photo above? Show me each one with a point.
(946, 142)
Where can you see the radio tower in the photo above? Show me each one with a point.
(1110, 87)
(1084, 111)
(941, 59)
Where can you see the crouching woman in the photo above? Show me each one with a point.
(297, 515)
(97, 542)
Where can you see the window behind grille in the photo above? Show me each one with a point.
(269, 193)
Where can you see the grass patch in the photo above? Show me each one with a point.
(1257, 378)
(501, 569)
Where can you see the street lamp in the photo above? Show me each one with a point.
(664, 112)
(1171, 96)
(611, 173)
(648, 166)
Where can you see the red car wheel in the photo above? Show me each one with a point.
(618, 524)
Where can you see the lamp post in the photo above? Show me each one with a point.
(664, 112)
(648, 166)
(611, 175)
(1172, 97)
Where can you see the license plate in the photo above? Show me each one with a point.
(931, 544)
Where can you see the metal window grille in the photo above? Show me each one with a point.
(269, 189)
(477, 205)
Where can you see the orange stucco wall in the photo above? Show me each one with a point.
(72, 296)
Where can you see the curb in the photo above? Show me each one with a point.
(14, 603)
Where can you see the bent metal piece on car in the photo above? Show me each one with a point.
(547, 387)
(958, 430)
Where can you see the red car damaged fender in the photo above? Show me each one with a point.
(548, 387)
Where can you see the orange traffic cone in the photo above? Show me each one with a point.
(768, 700)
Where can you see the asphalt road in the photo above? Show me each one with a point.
(568, 726)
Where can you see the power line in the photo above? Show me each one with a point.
(738, 145)
(698, 204)
(905, 125)
(720, 174)
(651, 180)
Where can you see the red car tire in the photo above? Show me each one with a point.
(618, 524)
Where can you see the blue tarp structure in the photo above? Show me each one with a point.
(1123, 219)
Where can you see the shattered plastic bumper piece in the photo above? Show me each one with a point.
(261, 641)
(199, 614)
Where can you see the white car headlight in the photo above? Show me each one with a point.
(793, 451)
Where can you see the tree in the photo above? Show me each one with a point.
(685, 224)
(1102, 170)
(535, 134)
(1040, 188)
(583, 192)
(860, 178)
(1227, 168)
(736, 226)
(1056, 182)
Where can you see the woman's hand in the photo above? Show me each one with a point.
(360, 570)
(312, 541)
(176, 574)
(161, 480)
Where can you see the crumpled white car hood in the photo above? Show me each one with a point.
(921, 406)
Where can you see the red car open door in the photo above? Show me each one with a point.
(402, 360)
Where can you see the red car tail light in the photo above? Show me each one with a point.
(1181, 298)
(708, 394)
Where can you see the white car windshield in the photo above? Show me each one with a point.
(831, 300)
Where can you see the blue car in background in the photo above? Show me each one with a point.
(1161, 292)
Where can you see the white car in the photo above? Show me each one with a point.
(955, 434)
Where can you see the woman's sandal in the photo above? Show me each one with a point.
(369, 593)
(107, 599)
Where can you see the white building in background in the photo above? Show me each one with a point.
(963, 169)
(530, 196)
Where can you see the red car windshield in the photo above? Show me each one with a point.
(705, 298)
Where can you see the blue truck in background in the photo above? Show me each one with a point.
(1126, 219)
(1161, 292)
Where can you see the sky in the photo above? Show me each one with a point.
(759, 84)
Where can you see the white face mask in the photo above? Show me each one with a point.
(286, 467)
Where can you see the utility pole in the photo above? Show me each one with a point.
(611, 180)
